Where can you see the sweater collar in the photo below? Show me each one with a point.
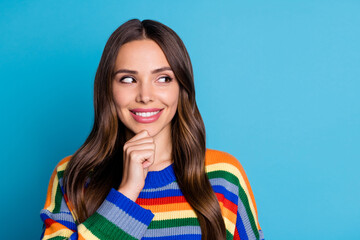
(156, 179)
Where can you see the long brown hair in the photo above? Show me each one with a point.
(100, 157)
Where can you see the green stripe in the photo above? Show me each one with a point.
(225, 175)
(58, 198)
(245, 201)
(229, 236)
(179, 222)
(104, 229)
(242, 195)
(60, 174)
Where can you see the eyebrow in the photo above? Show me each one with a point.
(136, 72)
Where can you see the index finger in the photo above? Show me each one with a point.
(142, 134)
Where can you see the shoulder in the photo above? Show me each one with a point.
(55, 183)
(219, 160)
(61, 166)
(222, 165)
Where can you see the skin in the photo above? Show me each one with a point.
(148, 146)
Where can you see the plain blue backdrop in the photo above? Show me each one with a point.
(277, 85)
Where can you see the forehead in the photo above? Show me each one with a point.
(141, 54)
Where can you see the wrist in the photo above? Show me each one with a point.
(129, 193)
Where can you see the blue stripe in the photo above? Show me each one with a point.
(133, 209)
(123, 220)
(228, 195)
(74, 236)
(161, 194)
(70, 225)
(241, 228)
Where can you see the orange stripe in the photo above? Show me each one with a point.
(48, 195)
(54, 227)
(215, 156)
(227, 213)
(186, 206)
(80, 237)
(168, 207)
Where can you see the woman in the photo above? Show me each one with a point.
(144, 171)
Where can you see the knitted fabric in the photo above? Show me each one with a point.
(161, 210)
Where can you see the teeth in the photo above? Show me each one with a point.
(146, 114)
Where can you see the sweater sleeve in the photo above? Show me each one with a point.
(235, 195)
(247, 224)
(117, 217)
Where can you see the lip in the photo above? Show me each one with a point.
(141, 119)
(145, 109)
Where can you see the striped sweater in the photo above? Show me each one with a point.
(161, 211)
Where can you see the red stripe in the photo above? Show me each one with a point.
(236, 235)
(227, 203)
(48, 222)
(181, 199)
(157, 201)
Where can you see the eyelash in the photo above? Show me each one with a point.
(167, 79)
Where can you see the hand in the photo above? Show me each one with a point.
(139, 155)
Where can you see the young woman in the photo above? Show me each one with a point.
(144, 171)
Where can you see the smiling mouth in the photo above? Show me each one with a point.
(146, 114)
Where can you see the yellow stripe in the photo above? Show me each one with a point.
(233, 170)
(174, 215)
(230, 226)
(53, 194)
(55, 186)
(86, 233)
(226, 212)
(62, 167)
(61, 233)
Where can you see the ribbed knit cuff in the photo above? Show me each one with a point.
(118, 217)
(130, 207)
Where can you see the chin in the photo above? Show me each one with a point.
(152, 132)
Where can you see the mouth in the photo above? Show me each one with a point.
(149, 115)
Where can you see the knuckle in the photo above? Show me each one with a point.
(125, 147)
(133, 154)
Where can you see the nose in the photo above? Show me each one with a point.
(145, 92)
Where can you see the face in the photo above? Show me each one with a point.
(145, 90)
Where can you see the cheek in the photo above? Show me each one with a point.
(170, 97)
(121, 97)
(173, 98)
(122, 100)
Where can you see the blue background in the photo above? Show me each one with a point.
(277, 84)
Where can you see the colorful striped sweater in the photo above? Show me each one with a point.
(161, 211)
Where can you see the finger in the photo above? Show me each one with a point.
(144, 146)
(142, 156)
(142, 134)
(139, 141)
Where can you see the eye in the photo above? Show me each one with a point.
(127, 79)
(164, 79)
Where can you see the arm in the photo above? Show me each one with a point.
(117, 218)
(247, 224)
(236, 198)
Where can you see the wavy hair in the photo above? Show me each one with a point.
(98, 158)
